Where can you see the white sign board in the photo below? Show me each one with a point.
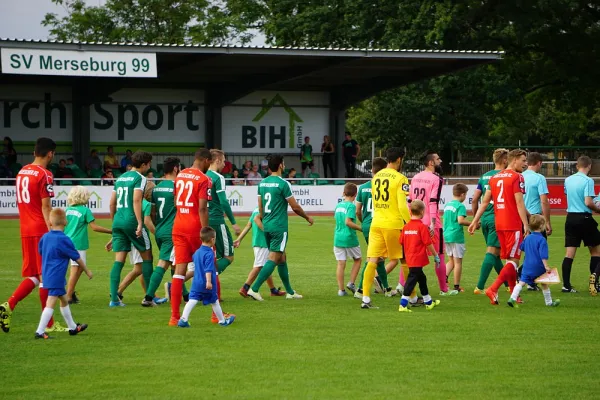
(267, 122)
(78, 63)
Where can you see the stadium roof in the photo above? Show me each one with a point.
(231, 72)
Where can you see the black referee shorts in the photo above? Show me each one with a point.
(581, 227)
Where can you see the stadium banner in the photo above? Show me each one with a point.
(266, 122)
(78, 63)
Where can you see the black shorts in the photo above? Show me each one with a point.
(581, 227)
(307, 164)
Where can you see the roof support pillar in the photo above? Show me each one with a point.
(337, 129)
(81, 123)
(213, 113)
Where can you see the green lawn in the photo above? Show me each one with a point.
(320, 347)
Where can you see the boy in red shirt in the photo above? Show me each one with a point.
(416, 240)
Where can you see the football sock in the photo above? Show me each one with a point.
(361, 276)
(403, 274)
(404, 301)
(498, 265)
(25, 287)
(218, 311)
(285, 277)
(368, 280)
(427, 299)
(115, 277)
(488, 263)
(187, 310)
(218, 287)
(456, 287)
(147, 272)
(516, 292)
(381, 272)
(265, 272)
(66, 313)
(46, 317)
(176, 293)
(405, 271)
(274, 290)
(441, 274)
(222, 264)
(414, 299)
(547, 296)
(185, 291)
(594, 264)
(43, 300)
(155, 282)
(566, 272)
(246, 286)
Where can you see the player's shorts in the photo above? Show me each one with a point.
(124, 239)
(135, 257)
(185, 247)
(57, 292)
(165, 247)
(307, 164)
(581, 227)
(224, 242)
(530, 280)
(510, 244)
(344, 253)
(261, 255)
(32, 259)
(205, 297)
(82, 255)
(384, 243)
(191, 267)
(488, 228)
(276, 241)
(455, 250)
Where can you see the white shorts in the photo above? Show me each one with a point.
(343, 253)
(191, 267)
(455, 250)
(261, 255)
(82, 254)
(134, 256)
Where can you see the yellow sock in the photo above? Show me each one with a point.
(405, 271)
(368, 279)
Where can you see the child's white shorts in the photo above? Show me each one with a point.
(455, 250)
(134, 256)
(191, 267)
(82, 254)
(261, 255)
(344, 253)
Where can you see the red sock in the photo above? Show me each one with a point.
(22, 291)
(43, 300)
(511, 275)
(218, 288)
(176, 294)
(502, 277)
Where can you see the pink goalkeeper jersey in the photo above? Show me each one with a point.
(427, 187)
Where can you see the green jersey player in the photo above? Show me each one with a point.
(274, 195)
(488, 225)
(218, 207)
(127, 217)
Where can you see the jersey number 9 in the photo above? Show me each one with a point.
(382, 189)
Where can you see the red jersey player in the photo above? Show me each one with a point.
(34, 192)
(192, 193)
(506, 190)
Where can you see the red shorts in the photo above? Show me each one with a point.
(510, 244)
(32, 259)
(185, 247)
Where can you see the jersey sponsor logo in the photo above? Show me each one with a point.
(160, 189)
(74, 213)
(340, 210)
(269, 184)
(125, 179)
(411, 232)
(183, 175)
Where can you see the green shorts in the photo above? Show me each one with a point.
(276, 241)
(224, 243)
(365, 231)
(488, 227)
(165, 247)
(123, 239)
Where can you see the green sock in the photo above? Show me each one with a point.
(285, 277)
(265, 273)
(381, 272)
(147, 271)
(486, 267)
(222, 264)
(362, 276)
(155, 281)
(185, 292)
(115, 278)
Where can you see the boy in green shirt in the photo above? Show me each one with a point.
(345, 240)
(455, 217)
(306, 159)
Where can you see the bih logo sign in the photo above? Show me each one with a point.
(268, 136)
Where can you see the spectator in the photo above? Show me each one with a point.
(70, 161)
(246, 169)
(264, 164)
(236, 181)
(350, 149)
(150, 175)
(110, 160)
(254, 177)
(93, 161)
(128, 167)
(9, 152)
(108, 179)
(63, 172)
(291, 175)
(328, 150)
(125, 160)
(306, 158)
(228, 168)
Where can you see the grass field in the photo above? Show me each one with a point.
(320, 347)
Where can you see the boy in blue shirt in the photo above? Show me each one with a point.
(535, 247)
(204, 285)
(57, 251)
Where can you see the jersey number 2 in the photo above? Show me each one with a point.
(268, 202)
(382, 189)
(500, 198)
(181, 186)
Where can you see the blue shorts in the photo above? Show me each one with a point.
(530, 280)
(205, 297)
(57, 292)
